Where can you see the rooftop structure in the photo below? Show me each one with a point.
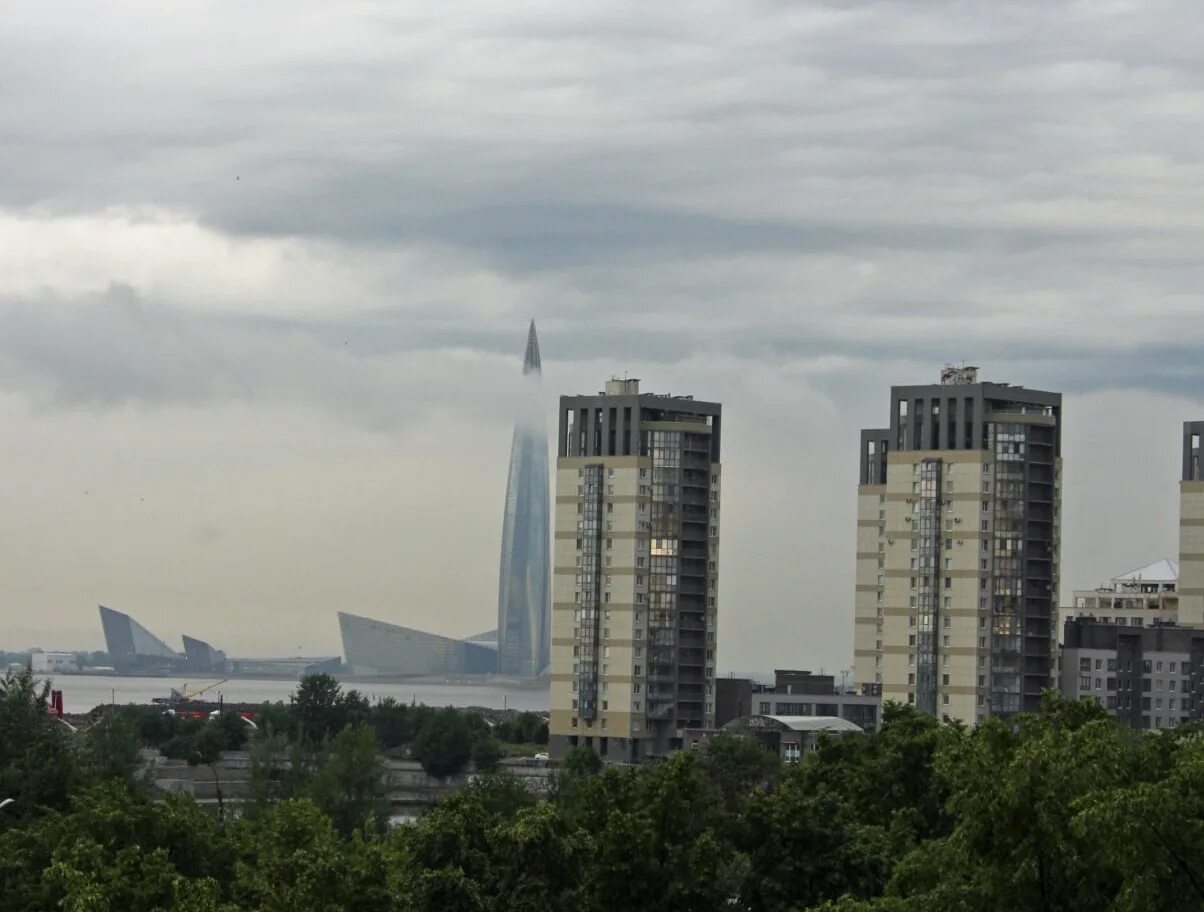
(797, 694)
(1138, 598)
(787, 736)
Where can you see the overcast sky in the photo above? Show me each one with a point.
(266, 270)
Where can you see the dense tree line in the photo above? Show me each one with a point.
(1058, 812)
(444, 739)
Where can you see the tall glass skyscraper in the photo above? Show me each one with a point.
(524, 609)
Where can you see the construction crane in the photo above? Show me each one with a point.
(184, 695)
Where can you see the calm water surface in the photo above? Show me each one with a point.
(83, 692)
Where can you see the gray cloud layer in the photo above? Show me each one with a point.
(350, 211)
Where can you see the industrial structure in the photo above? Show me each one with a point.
(524, 607)
(635, 579)
(134, 650)
(378, 649)
(957, 548)
(204, 658)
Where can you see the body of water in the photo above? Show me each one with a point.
(84, 692)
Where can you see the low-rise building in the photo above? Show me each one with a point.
(798, 694)
(787, 736)
(1140, 598)
(53, 662)
(1148, 677)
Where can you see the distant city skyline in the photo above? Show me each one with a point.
(258, 322)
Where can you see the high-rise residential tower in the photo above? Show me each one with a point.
(523, 607)
(635, 580)
(1191, 528)
(957, 548)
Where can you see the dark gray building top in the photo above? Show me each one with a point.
(1193, 432)
(951, 415)
(609, 423)
(1092, 633)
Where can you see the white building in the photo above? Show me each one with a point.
(1134, 599)
(53, 662)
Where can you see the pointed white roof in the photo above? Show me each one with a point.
(1161, 571)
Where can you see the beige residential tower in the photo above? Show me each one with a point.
(1191, 528)
(957, 548)
(635, 571)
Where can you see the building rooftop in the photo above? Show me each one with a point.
(816, 723)
(1161, 571)
(793, 723)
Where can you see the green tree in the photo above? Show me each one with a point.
(444, 744)
(739, 766)
(806, 847)
(539, 863)
(486, 753)
(294, 862)
(502, 796)
(233, 729)
(39, 766)
(889, 778)
(111, 749)
(155, 726)
(1152, 833)
(114, 849)
(276, 719)
(658, 833)
(392, 722)
(207, 747)
(351, 783)
(317, 706)
(524, 728)
(1015, 795)
(581, 761)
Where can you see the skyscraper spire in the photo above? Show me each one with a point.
(524, 607)
(531, 358)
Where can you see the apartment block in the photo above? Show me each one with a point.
(635, 571)
(1191, 528)
(957, 548)
(1148, 677)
